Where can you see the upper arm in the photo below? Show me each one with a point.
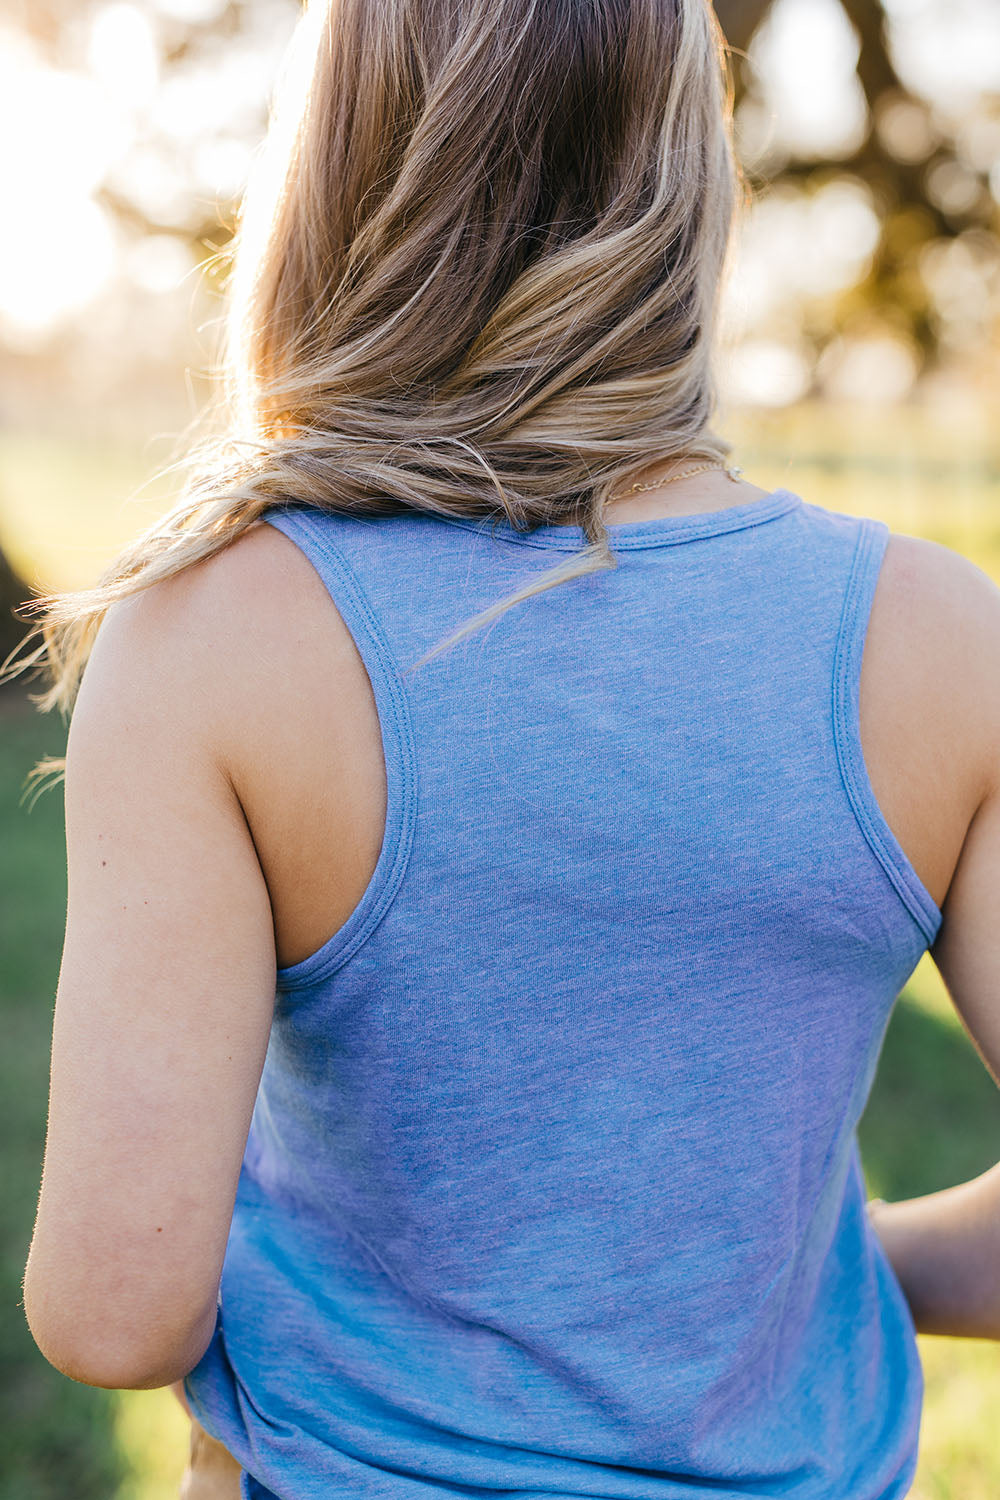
(967, 948)
(966, 951)
(164, 1003)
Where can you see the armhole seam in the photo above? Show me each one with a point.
(869, 550)
(396, 727)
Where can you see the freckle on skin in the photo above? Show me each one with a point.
(103, 863)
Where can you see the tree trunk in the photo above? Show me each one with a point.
(13, 591)
(739, 19)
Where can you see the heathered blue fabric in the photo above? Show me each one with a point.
(552, 1186)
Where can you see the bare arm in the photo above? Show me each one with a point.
(164, 1003)
(945, 1246)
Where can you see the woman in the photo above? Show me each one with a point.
(462, 1031)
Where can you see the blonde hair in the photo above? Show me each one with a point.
(477, 275)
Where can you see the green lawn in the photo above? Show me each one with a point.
(934, 1116)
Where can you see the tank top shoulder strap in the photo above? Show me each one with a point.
(872, 538)
(313, 534)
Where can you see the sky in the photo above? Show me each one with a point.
(71, 132)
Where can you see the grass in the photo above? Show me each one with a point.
(934, 1114)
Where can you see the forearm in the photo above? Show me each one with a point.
(945, 1251)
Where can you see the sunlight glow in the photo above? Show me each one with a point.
(159, 263)
(191, 10)
(878, 370)
(62, 253)
(805, 54)
(949, 49)
(796, 245)
(177, 142)
(764, 372)
(123, 55)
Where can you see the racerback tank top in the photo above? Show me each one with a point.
(552, 1187)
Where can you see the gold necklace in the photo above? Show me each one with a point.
(731, 469)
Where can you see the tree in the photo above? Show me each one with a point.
(925, 189)
(739, 20)
(13, 591)
(932, 194)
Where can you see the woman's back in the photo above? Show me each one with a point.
(917, 690)
(553, 1161)
(543, 1153)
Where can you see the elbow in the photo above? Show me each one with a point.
(113, 1369)
(104, 1351)
(119, 1365)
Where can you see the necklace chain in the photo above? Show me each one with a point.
(731, 469)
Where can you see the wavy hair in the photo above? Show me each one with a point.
(477, 274)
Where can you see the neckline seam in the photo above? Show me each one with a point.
(659, 531)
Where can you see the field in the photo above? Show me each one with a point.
(934, 1115)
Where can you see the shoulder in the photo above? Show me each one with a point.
(218, 640)
(247, 585)
(923, 569)
(935, 623)
(943, 598)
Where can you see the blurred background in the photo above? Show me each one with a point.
(861, 368)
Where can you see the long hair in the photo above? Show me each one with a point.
(476, 274)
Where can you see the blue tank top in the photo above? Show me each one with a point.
(552, 1186)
